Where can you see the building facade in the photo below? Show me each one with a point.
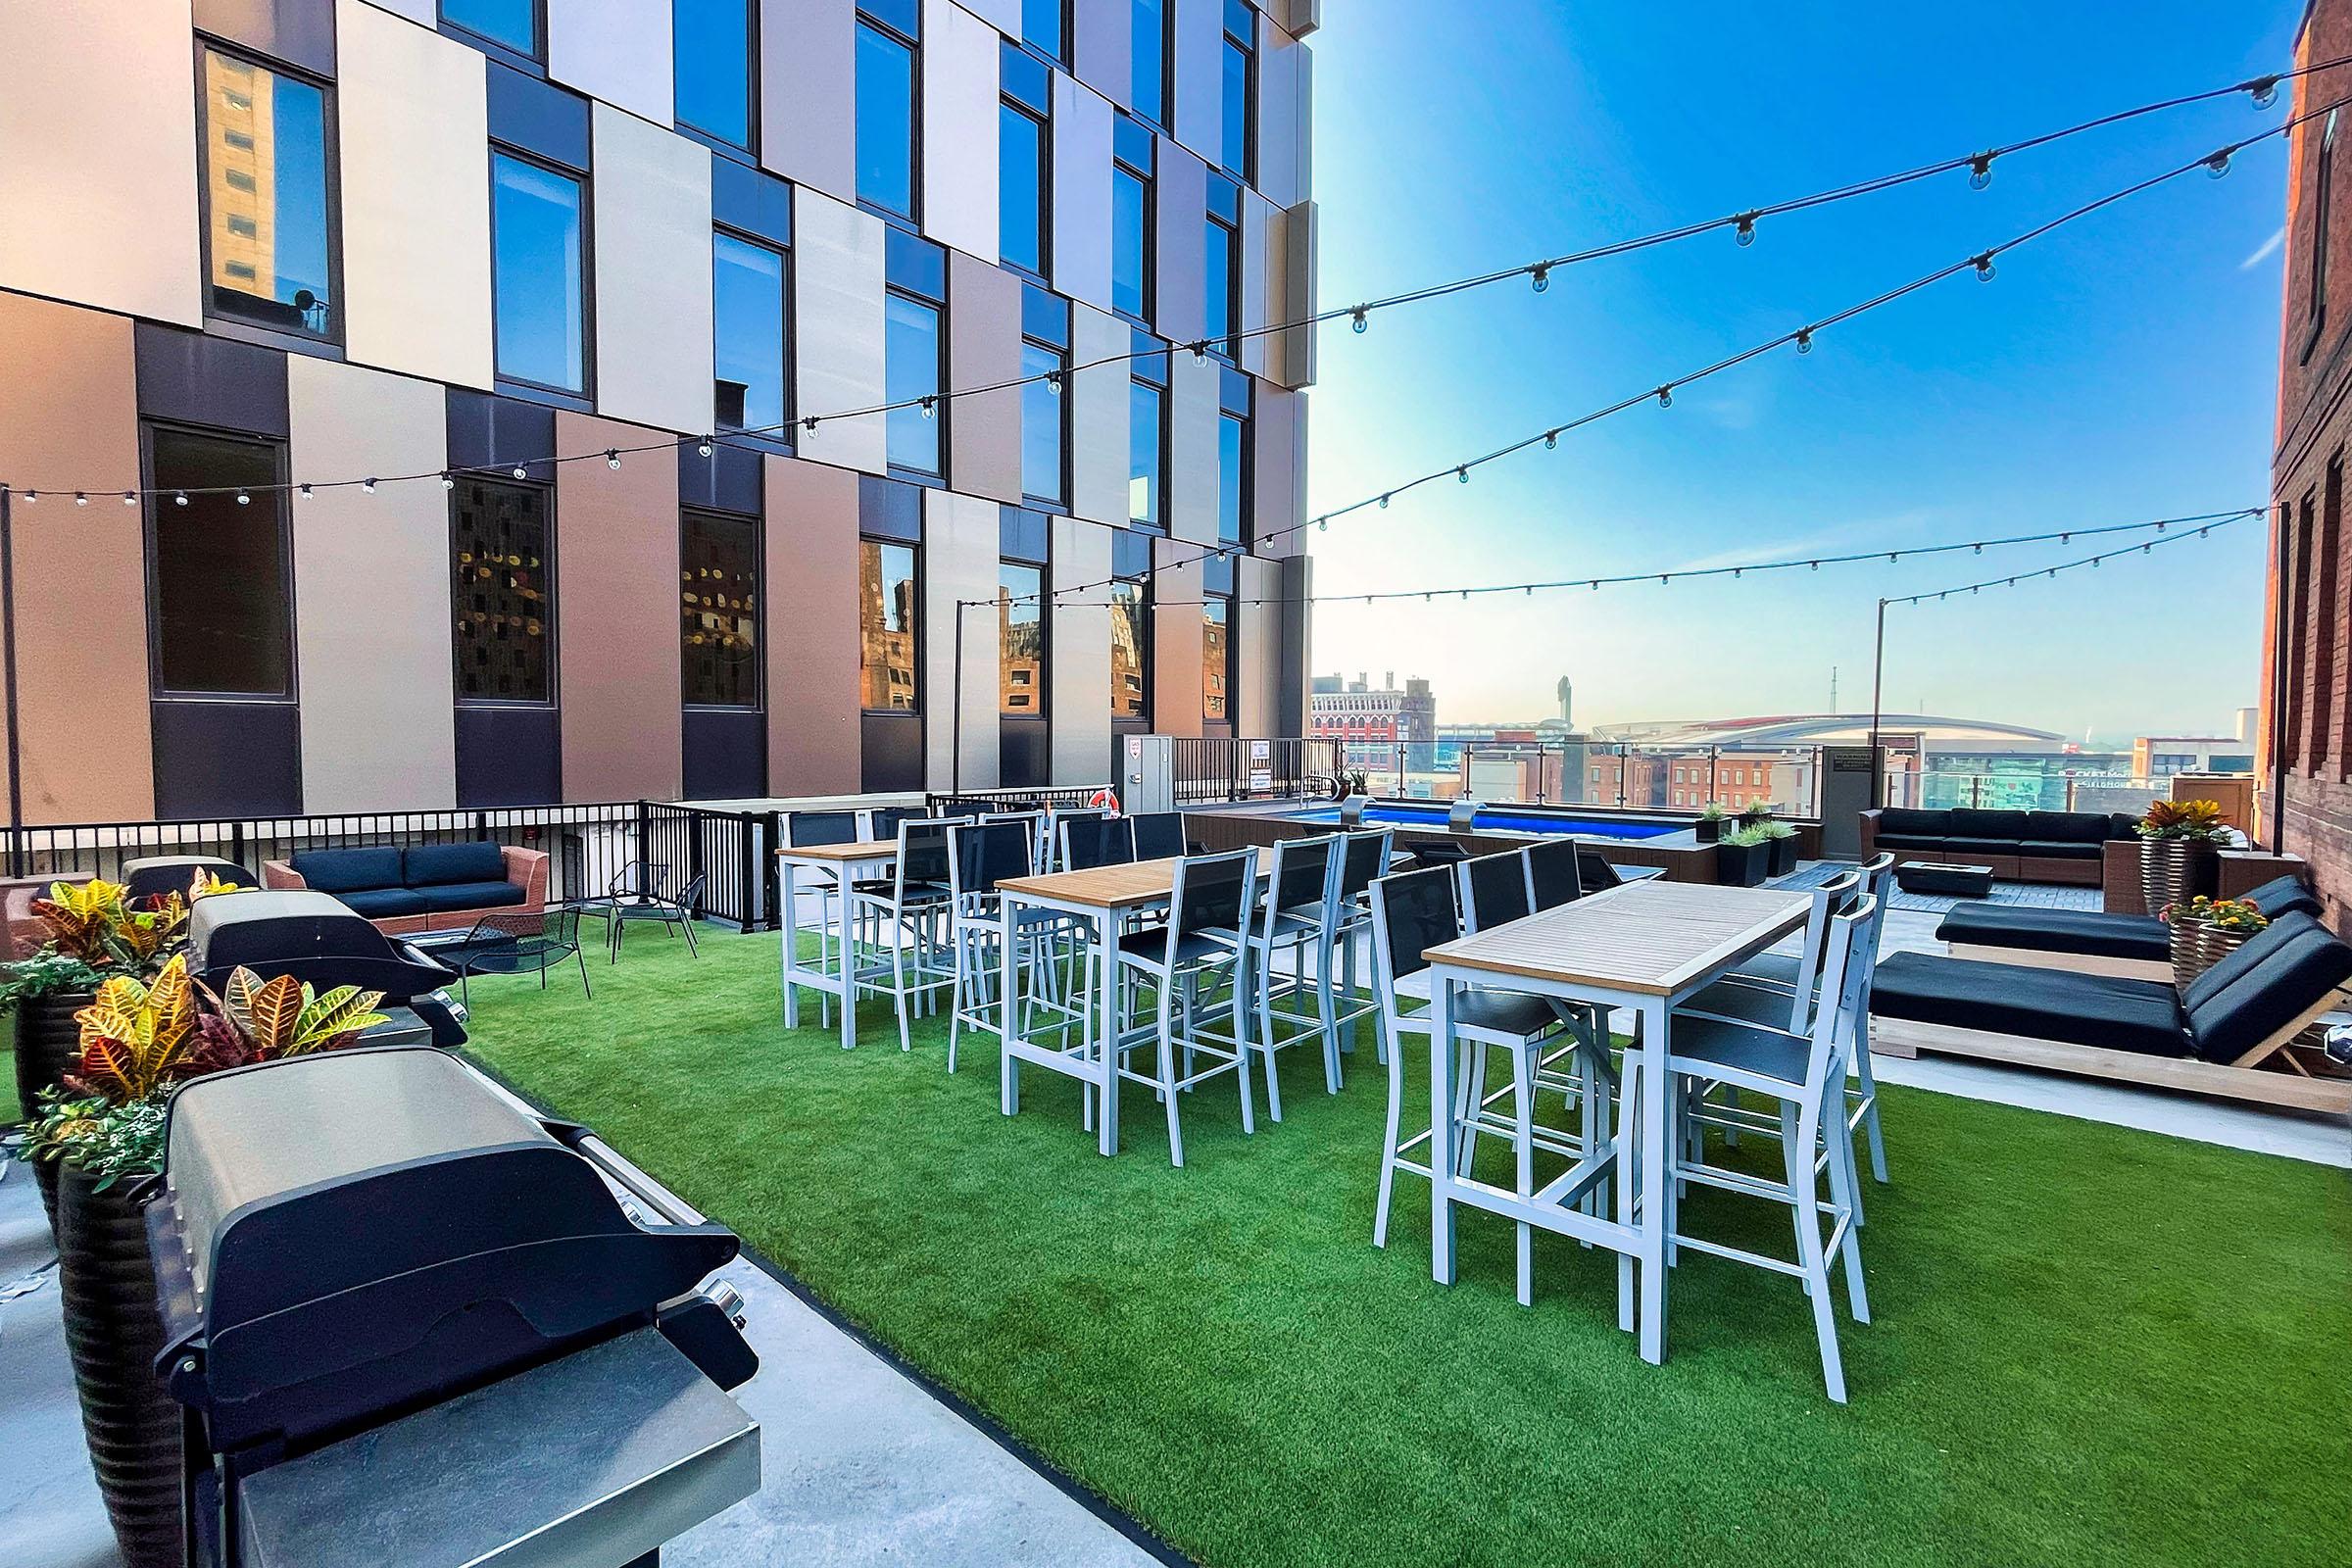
(602, 302)
(1370, 722)
(2305, 795)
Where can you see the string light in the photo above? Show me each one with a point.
(702, 446)
(180, 499)
(521, 472)
(1804, 341)
(1363, 321)
(244, 499)
(2218, 164)
(930, 406)
(301, 489)
(130, 498)
(80, 497)
(612, 458)
(2146, 547)
(1983, 262)
(30, 496)
(1745, 233)
(449, 481)
(1665, 397)
(2264, 90)
(1540, 276)
(367, 487)
(1979, 171)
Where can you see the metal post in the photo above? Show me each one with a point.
(8, 658)
(1878, 688)
(955, 707)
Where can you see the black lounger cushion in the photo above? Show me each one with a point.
(2007, 999)
(2244, 956)
(2290, 980)
(2076, 931)
(2284, 894)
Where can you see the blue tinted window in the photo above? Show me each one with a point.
(747, 316)
(1150, 60)
(1130, 243)
(1145, 438)
(885, 121)
(1042, 409)
(265, 145)
(513, 23)
(1217, 272)
(910, 369)
(535, 227)
(1042, 26)
(1229, 480)
(1020, 189)
(1234, 152)
(711, 46)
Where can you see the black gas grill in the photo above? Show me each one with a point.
(323, 941)
(151, 874)
(410, 1322)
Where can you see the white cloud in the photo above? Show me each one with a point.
(2269, 249)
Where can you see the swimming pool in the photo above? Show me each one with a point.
(1495, 820)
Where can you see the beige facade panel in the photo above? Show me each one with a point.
(812, 630)
(98, 156)
(808, 94)
(1258, 629)
(1103, 45)
(617, 54)
(961, 72)
(81, 576)
(1279, 429)
(1293, 241)
(1198, 55)
(1262, 277)
(1080, 258)
(414, 136)
(984, 346)
(1176, 640)
(1098, 419)
(372, 606)
(1285, 117)
(837, 309)
(1182, 306)
(1080, 639)
(618, 675)
(1193, 415)
(961, 537)
(653, 274)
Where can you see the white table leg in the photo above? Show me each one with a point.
(790, 939)
(849, 964)
(1106, 1053)
(1008, 1065)
(1655, 1206)
(1632, 1083)
(1440, 1128)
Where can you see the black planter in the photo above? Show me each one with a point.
(1708, 828)
(1743, 865)
(47, 1043)
(113, 1337)
(1784, 855)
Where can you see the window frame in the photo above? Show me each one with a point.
(1223, 337)
(331, 181)
(1066, 24)
(583, 399)
(1166, 54)
(914, 660)
(151, 513)
(2322, 206)
(534, 60)
(1151, 368)
(861, 16)
(778, 440)
(1237, 403)
(1226, 600)
(546, 490)
(1246, 47)
(1148, 179)
(759, 617)
(1043, 714)
(1036, 335)
(1010, 101)
(1142, 583)
(746, 150)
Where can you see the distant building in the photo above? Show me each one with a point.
(1372, 722)
(2163, 755)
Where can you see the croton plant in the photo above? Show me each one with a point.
(96, 930)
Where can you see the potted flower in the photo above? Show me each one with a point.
(2179, 841)
(1781, 839)
(1744, 858)
(1710, 821)
(102, 1130)
(2205, 931)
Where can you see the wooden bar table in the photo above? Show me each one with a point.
(846, 862)
(1644, 947)
(1103, 897)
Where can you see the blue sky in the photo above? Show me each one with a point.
(2122, 368)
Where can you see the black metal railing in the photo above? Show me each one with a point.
(1215, 771)
(964, 803)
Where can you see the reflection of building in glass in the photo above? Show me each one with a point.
(243, 175)
(718, 610)
(499, 587)
(1215, 657)
(886, 624)
(1020, 659)
(1127, 649)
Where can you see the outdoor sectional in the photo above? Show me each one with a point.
(2019, 846)
(427, 887)
(2134, 946)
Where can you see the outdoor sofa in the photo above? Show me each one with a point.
(426, 887)
(2208, 1039)
(2064, 847)
(2134, 946)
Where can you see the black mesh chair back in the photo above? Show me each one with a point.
(690, 901)
(820, 827)
(1079, 818)
(988, 852)
(1104, 841)
(1597, 874)
(1365, 857)
(1494, 889)
(1158, 835)
(1551, 868)
(639, 879)
(922, 854)
(1211, 892)
(1301, 873)
(1416, 912)
(886, 819)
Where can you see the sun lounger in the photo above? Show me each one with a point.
(2134, 946)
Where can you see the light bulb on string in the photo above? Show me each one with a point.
(2218, 164)
(243, 499)
(1983, 264)
(449, 481)
(930, 406)
(180, 499)
(1804, 341)
(1541, 279)
(1462, 474)
(1979, 171)
(303, 490)
(1054, 382)
(521, 472)
(30, 496)
(1666, 397)
(702, 446)
(1745, 233)
(612, 456)
(1552, 439)
(80, 497)
(130, 498)
(2264, 90)
(368, 487)
(1361, 320)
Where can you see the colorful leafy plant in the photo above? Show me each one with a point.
(2196, 821)
(93, 1133)
(139, 1038)
(95, 922)
(2224, 914)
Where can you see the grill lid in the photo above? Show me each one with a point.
(309, 934)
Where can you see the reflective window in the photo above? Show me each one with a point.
(889, 620)
(1022, 180)
(266, 201)
(710, 49)
(1216, 654)
(537, 278)
(1130, 650)
(1020, 641)
(513, 23)
(502, 585)
(1232, 432)
(1045, 27)
(1147, 453)
(748, 333)
(1044, 417)
(911, 360)
(1130, 242)
(1149, 34)
(718, 610)
(222, 622)
(1220, 250)
(1240, 87)
(885, 118)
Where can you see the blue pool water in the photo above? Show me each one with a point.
(1498, 819)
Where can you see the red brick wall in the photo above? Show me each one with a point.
(2307, 652)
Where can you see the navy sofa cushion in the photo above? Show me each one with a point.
(2080, 1010)
(446, 895)
(2076, 931)
(1968, 822)
(382, 903)
(439, 864)
(2283, 895)
(1927, 824)
(340, 871)
(2291, 979)
(2059, 850)
(2067, 827)
(1965, 844)
(1909, 841)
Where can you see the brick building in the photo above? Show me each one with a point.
(2303, 756)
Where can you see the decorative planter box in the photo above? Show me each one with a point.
(1743, 865)
(113, 1335)
(2175, 870)
(47, 1043)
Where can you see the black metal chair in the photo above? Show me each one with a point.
(519, 943)
(1096, 840)
(674, 914)
(1159, 836)
(1551, 871)
(634, 883)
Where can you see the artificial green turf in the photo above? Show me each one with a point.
(2091, 1346)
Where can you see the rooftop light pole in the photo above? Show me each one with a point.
(1878, 686)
